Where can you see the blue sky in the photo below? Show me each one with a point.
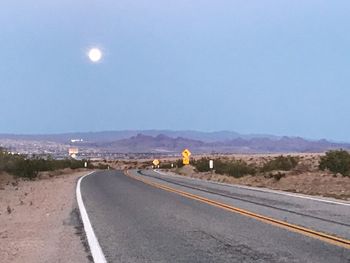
(279, 67)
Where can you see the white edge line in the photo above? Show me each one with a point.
(261, 190)
(95, 247)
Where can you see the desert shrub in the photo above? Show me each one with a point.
(201, 165)
(8, 161)
(164, 165)
(235, 168)
(337, 161)
(277, 176)
(23, 166)
(179, 163)
(283, 163)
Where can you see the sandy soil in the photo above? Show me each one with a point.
(39, 220)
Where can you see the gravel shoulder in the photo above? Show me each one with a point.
(40, 220)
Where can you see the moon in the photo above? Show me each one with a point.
(95, 55)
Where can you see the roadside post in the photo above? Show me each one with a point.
(211, 165)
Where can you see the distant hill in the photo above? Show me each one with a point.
(163, 143)
(167, 141)
(107, 136)
(284, 144)
(146, 143)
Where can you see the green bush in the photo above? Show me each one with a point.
(201, 165)
(179, 163)
(22, 166)
(235, 168)
(163, 165)
(25, 168)
(283, 163)
(337, 161)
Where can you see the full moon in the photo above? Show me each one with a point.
(95, 54)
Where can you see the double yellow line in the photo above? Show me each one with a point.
(298, 229)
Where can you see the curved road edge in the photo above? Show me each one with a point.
(94, 245)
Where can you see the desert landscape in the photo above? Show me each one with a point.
(41, 222)
(175, 131)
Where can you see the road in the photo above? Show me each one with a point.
(138, 222)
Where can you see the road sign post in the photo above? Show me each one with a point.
(156, 163)
(186, 157)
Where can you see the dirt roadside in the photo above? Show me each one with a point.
(39, 220)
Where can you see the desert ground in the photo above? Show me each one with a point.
(39, 219)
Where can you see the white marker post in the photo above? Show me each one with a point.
(211, 164)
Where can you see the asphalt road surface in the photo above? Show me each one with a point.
(137, 222)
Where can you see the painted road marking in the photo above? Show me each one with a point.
(294, 228)
(94, 245)
(264, 190)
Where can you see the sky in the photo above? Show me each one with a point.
(276, 67)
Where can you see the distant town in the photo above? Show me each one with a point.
(59, 150)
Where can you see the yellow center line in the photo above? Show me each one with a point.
(294, 228)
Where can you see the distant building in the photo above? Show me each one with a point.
(76, 140)
(73, 152)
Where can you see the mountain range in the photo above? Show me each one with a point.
(164, 143)
(167, 141)
(104, 136)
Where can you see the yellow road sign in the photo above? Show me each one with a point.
(155, 162)
(186, 157)
(186, 153)
(186, 161)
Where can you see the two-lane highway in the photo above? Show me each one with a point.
(319, 214)
(137, 222)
